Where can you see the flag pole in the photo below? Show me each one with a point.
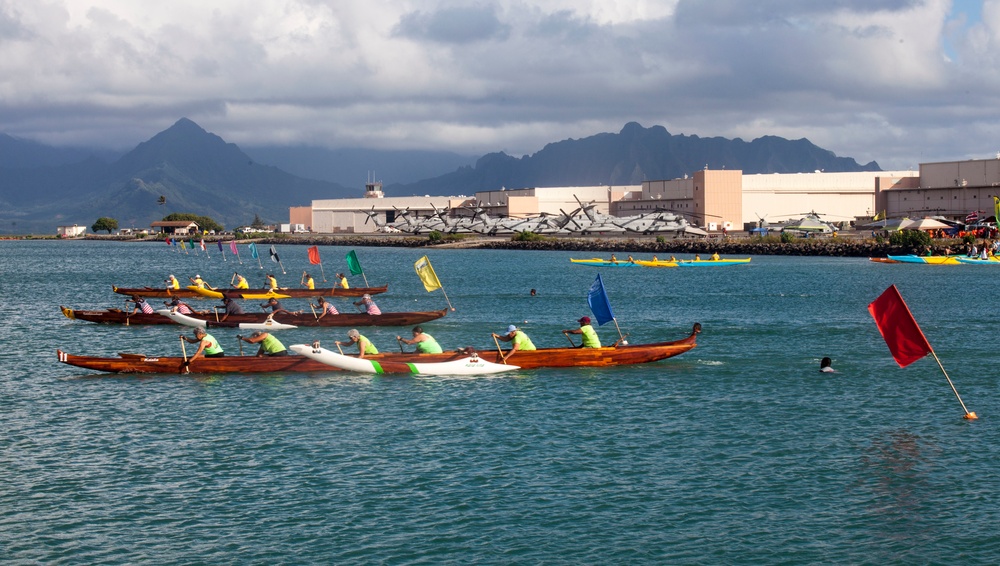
(321, 271)
(366, 283)
(968, 414)
(445, 297)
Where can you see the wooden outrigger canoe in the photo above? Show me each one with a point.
(598, 262)
(542, 358)
(189, 293)
(117, 316)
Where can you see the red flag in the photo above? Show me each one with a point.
(906, 341)
(314, 255)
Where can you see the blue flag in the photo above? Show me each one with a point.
(253, 250)
(597, 298)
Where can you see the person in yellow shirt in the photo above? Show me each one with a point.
(241, 282)
(343, 281)
(271, 282)
(308, 281)
(173, 283)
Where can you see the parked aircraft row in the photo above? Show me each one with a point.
(582, 221)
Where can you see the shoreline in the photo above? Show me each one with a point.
(847, 245)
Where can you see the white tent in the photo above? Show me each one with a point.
(923, 224)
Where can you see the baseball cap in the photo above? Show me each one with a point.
(511, 328)
(584, 320)
(353, 333)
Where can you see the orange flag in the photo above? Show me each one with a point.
(906, 341)
(314, 255)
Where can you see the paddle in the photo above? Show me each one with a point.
(185, 354)
(314, 311)
(497, 342)
(399, 342)
(566, 334)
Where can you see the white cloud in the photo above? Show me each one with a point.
(898, 81)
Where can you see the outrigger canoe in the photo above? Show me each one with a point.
(116, 316)
(188, 293)
(269, 323)
(926, 259)
(544, 357)
(977, 261)
(598, 262)
(712, 262)
(468, 365)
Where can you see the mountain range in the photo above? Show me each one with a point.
(199, 172)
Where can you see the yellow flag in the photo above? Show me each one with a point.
(426, 274)
(879, 216)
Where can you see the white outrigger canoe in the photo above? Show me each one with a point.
(468, 365)
(268, 325)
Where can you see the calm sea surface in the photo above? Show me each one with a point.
(739, 451)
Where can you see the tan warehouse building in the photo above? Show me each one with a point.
(714, 199)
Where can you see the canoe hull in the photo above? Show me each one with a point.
(160, 292)
(542, 358)
(469, 366)
(115, 316)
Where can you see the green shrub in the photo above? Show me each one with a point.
(435, 236)
(527, 237)
(910, 238)
(968, 239)
(787, 238)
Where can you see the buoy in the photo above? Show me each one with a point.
(971, 415)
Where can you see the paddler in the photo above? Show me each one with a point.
(308, 281)
(325, 307)
(207, 345)
(269, 345)
(141, 305)
(343, 281)
(426, 344)
(271, 282)
(587, 332)
(365, 346)
(173, 283)
(518, 338)
(241, 282)
(369, 305)
(232, 307)
(199, 282)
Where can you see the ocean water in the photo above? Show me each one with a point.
(737, 452)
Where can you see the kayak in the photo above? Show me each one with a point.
(268, 324)
(469, 365)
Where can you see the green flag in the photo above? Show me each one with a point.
(353, 264)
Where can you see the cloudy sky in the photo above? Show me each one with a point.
(896, 81)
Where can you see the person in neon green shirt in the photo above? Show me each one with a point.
(518, 339)
(207, 345)
(587, 332)
(426, 344)
(269, 345)
(365, 346)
